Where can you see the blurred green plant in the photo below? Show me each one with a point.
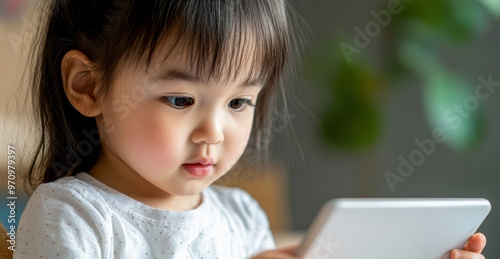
(415, 34)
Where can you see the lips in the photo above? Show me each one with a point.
(199, 169)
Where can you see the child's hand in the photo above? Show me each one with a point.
(472, 249)
(282, 253)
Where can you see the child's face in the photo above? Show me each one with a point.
(165, 132)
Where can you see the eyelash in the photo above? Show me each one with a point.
(245, 104)
(170, 100)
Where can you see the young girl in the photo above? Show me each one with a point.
(143, 104)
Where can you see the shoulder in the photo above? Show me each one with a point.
(233, 197)
(68, 212)
(246, 214)
(66, 195)
(239, 204)
(225, 192)
(63, 187)
(65, 184)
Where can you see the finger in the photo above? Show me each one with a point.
(289, 249)
(462, 254)
(274, 254)
(476, 243)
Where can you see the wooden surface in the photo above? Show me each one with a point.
(269, 187)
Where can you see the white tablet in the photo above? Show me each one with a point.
(392, 228)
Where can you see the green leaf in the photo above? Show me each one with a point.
(442, 21)
(418, 57)
(351, 119)
(356, 126)
(452, 107)
(432, 12)
(493, 6)
(467, 20)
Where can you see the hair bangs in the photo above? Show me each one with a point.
(221, 39)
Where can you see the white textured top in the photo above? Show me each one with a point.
(80, 217)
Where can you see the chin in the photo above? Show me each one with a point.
(189, 190)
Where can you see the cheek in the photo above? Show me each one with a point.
(146, 139)
(159, 141)
(237, 141)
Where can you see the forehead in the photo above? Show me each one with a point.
(238, 60)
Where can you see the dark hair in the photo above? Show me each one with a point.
(110, 32)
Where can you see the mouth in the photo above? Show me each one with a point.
(201, 168)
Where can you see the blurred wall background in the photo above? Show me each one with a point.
(328, 171)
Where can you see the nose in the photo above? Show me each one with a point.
(209, 130)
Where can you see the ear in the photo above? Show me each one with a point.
(80, 83)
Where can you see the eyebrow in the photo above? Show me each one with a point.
(179, 75)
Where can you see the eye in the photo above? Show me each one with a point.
(240, 104)
(178, 102)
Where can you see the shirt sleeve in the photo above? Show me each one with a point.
(261, 236)
(61, 222)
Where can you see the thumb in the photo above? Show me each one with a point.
(476, 243)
